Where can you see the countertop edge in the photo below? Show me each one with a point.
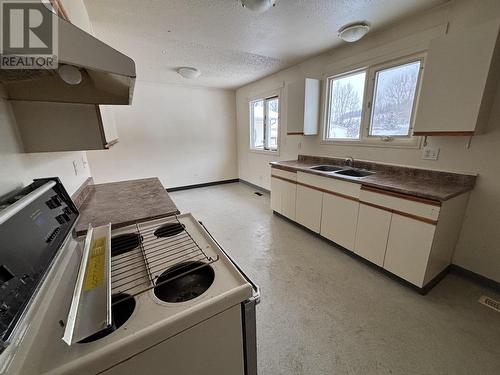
(466, 189)
(123, 224)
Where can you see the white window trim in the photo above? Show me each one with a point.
(365, 139)
(266, 95)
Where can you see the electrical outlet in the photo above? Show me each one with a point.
(430, 153)
(300, 145)
(75, 167)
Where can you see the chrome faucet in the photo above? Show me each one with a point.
(349, 161)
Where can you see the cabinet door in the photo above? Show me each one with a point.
(108, 124)
(372, 233)
(312, 93)
(288, 199)
(308, 207)
(52, 126)
(458, 83)
(408, 248)
(276, 193)
(295, 107)
(338, 220)
(303, 102)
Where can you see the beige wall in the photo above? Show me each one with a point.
(183, 135)
(479, 245)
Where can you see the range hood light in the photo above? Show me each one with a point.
(70, 74)
(188, 72)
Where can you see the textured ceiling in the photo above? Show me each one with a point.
(231, 45)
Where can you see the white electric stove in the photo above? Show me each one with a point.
(158, 297)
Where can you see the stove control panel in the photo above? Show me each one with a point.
(33, 225)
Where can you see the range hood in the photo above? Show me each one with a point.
(108, 76)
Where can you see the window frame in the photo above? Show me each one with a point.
(265, 98)
(366, 139)
(328, 103)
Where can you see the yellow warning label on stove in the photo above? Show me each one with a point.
(95, 272)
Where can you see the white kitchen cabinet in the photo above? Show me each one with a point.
(276, 192)
(339, 219)
(372, 233)
(52, 126)
(303, 103)
(283, 197)
(411, 237)
(459, 82)
(308, 207)
(408, 248)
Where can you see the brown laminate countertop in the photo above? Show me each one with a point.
(124, 203)
(435, 185)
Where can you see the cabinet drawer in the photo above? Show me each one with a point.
(329, 184)
(284, 174)
(418, 208)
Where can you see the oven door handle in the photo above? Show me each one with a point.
(256, 290)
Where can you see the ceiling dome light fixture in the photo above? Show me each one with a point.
(258, 5)
(188, 72)
(353, 32)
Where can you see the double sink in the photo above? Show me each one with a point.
(343, 171)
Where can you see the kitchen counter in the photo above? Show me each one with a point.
(429, 184)
(124, 203)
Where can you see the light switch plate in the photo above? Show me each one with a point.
(430, 153)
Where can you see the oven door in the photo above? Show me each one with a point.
(248, 312)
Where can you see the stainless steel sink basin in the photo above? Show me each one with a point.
(354, 173)
(326, 168)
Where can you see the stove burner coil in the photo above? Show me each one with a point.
(188, 282)
(122, 307)
(124, 243)
(169, 230)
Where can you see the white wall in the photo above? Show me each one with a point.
(479, 246)
(183, 135)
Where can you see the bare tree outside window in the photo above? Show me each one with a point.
(394, 95)
(346, 100)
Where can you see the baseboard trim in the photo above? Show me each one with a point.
(196, 186)
(475, 277)
(255, 186)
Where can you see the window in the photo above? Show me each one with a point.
(374, 104)
(264, 124)
(393, 99)
(345, 106)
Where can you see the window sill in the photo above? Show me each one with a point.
(413, 144)
(265, 152)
